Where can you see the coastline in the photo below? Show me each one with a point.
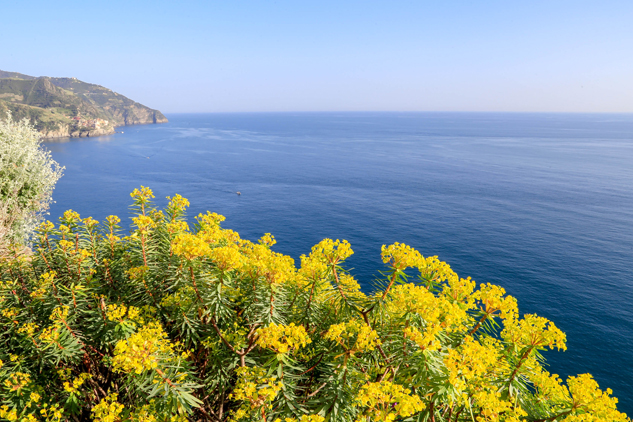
(66, 133)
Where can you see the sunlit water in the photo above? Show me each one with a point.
(541, 204)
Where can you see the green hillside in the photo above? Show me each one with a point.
(70, 107)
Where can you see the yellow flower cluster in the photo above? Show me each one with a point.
(228, 257)
(332, 251)
(353, 336)
(534, 331)
(73, 388)
(283, 338)
(493, 409)
(28, 329)
(143, 414)
(433, 270)
(90, 222)
(304, 418)
(10, 415)
(59, 315)
(411, 299)
(549, 388)
(210, 219)
(143, 350)
(267, 239)
(426, 340)
(46, 280)
(189, 246)
(46, 227)
(590, 403)
(178, 203)
(52, 413)
(255, 390)
(113, 220)
(108, 409)
(119, 312)
(144, 195)
(386, 401)
(492, 301)
(16, 381)
(400, 256)
(50, 334)
(312, 268)
(70, 216)
(471, 363)
(144, 223)
(408, 299)
(177, 227)
(260, 261)
(10, 313)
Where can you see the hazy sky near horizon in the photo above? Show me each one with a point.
(247, 55)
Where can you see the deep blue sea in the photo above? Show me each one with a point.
(541, 204)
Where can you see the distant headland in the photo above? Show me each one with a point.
(68, 107)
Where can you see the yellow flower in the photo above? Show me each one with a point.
(353, 336)
(210, 219)
(189, 246)
(471, 363)
(400, 256)
(427, 339)
(267, 239)
(386, 401)
(549, 388)
(332, 251)
(492, 301)
(254, 389)
(16, 381)
(144, 223)
(46, 227)
(177, 227)
(108, 409)
(28, 329)
(90, 222)
(590, 403)
(491, 407)
(143, 195)
(59, 315)
(73, 388)
(227, 257)
(534, 331)
(142, 351)
(283, 338)
(178, 203)
(70, 216)
(113, 220)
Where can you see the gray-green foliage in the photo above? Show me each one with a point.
(28, 175)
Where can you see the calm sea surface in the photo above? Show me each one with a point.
(541, 204)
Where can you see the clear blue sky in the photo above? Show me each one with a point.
(247, 55)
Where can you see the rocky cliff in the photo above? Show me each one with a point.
(68, 107)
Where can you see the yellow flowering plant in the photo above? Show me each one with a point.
(190, 322)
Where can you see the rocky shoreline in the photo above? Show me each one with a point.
(65, 132)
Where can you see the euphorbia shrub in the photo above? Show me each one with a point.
(177, 323)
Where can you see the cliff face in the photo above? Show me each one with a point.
(68, 107)
(135, 114)
(67, 131)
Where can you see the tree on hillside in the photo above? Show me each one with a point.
(27, 177)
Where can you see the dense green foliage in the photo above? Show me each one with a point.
(27, 177)
(172, 324)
